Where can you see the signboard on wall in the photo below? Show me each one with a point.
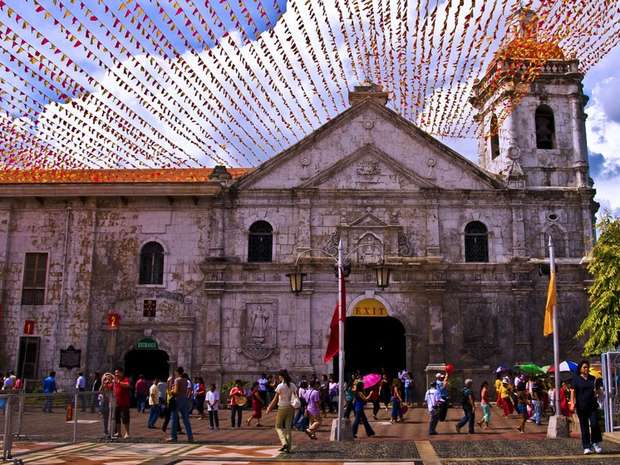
(29, 327)
(369, 307)
(70, 357)
(114, 320)
(147, 343)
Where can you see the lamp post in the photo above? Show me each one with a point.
(296, 280)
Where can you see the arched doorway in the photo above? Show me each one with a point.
(374, 343)
(147, 359)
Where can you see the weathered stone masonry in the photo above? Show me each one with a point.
(368, 176)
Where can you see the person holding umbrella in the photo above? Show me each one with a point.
(360, 416)
(372, 382)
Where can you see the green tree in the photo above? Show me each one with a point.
(602, 325)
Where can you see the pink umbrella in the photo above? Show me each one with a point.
(370, 380)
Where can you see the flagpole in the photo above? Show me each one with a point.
(342, 311)
(556, 340)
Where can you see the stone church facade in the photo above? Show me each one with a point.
(172, 258)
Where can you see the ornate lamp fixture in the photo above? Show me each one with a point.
(296, 281)
(383, 275)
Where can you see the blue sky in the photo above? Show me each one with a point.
(312, 96)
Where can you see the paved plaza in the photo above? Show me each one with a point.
(46, 440)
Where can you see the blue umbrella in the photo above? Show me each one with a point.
(501, 369)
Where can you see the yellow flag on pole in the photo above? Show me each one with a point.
(551, 299)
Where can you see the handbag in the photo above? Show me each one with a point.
(295, 402)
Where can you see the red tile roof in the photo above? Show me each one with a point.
(185, 175)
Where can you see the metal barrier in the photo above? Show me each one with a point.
(610, 365)
(58, 417)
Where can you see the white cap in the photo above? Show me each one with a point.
(439, 375)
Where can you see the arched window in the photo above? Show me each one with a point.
(559, 241)
(260, 242)
(494, 136)
(152, 263)
(476, 242)
(545, 128)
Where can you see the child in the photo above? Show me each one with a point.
(213, 405)
(257, 405)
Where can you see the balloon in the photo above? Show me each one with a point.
(449, 368)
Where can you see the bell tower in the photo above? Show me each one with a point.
(530, 104)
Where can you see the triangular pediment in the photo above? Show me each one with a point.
(369, 146)
(367, 168)
(368, 221)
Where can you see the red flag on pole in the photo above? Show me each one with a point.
(332, 344)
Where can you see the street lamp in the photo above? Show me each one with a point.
(296, 281)
(383, 275)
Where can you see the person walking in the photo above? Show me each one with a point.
(257, 405)
(237, 400)
(586, 390)
(485, 405)
(49, 388)
(536, 393)
(142, 390)
(153, 404)
(300, 422)
(522, 404)
(95, 386)
(170, 407)
(263, 383)
(469, 408)
(505, 394)
(385, 392)
(285, 398)
(358, 407)
(200, 394)
(213, 405)
(106, 392)
(408, 386)
(122, 396)
(397, 400)
(80, 388)
(313, 410)
(433, 404)
(181, 391)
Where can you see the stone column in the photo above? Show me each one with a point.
(218, 223)
(578, 132)
(212, 348)
(5, 246)
(302, 308)
(518, 230)
(432, 226)
(588, 226)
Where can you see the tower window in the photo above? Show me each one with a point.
(494, 136)
(152, 263)
(545, 128)
(260, 242)
(476, 242)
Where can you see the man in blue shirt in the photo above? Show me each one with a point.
(49, 388)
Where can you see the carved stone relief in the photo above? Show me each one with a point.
(405, 245)
(258, 331)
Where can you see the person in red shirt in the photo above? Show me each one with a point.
(122, 395)
(237, 401)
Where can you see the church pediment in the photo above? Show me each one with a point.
(369, 147)
(366, 169)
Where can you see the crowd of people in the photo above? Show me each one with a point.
(529, 397)
(304, 405)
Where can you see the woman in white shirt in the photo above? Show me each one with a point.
(285, 394)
